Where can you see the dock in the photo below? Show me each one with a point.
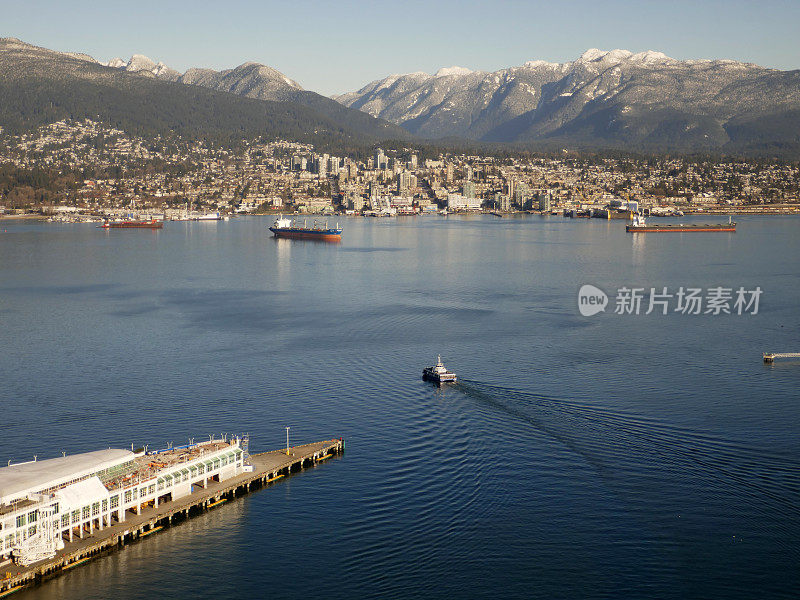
(267, 467)
(769, 357)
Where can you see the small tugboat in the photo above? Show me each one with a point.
(439, 373)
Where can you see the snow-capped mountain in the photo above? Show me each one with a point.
(617, 99)
(37, 84)
(142, 65)
(612, 96)
(250, 79)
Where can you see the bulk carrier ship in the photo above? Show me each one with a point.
(639, 225)
(135, 224)
(287, 229)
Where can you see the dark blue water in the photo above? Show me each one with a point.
(579, 457)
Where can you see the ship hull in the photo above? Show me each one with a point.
(325, 235)
(428, 375)
(678, 228)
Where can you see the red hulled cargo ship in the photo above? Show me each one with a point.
(135, 224)
(286, 229)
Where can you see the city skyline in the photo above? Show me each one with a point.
(339, 48)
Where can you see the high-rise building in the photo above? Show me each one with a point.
(380, 159)
(544, 201)
(502, 202)
(322, 165)
(406, 182)
(413, 162)
(520, 194)
(469, 189)
(449, 173)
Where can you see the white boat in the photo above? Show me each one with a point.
(438, 373)
(215, 216)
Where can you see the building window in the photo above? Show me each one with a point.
(105, 505)
(152, 488)
(65, 520)
(133, 491)
(127, 495)
(32, 516)
(55, 508)
(32, 530)
(85, 513)
(239, 455)
(201, 469)
(216, 464)
(76, 516)
(160, 484)
(168, 480)
(95, 509)
(115, 501)
(143, 492)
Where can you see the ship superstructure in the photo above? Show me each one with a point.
(438, 373)
(45, 503)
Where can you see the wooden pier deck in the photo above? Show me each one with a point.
(267, 468)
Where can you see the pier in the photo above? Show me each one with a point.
(769, 357)
(264, 469)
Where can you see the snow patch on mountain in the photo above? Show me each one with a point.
(140, 62)
(454, 70)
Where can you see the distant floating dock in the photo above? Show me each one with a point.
(769, 357)
(267, 467)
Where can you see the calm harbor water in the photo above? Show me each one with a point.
(612, 456)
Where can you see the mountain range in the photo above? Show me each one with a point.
(603, 99)
(40, 86)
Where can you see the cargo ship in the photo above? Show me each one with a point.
(135, 224)
(285, 228)
(639, 225)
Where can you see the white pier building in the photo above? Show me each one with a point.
(47, 502)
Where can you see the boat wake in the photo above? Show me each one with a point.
(634, 454)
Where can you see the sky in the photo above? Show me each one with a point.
(337, 47)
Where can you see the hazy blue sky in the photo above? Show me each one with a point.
(333, 47)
